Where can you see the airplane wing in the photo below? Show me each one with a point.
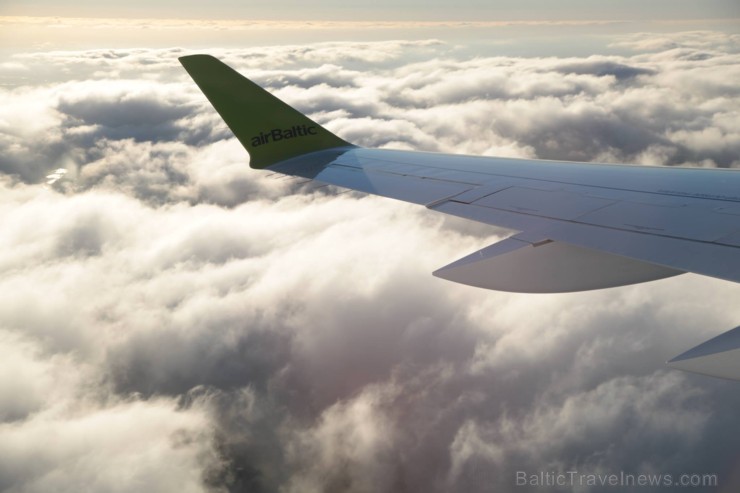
(581, 226)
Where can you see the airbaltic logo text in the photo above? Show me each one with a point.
(278, 134)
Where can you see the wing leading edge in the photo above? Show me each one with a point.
(582, 226)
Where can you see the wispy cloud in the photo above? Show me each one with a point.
(241, 24)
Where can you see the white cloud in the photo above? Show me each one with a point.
(175, 319)
(117, 448)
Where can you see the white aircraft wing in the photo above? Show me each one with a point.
(581, 226)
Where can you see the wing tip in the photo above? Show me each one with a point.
(718, 357)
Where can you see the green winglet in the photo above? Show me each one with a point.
(270, 130)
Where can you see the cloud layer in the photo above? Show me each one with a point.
(170, 318)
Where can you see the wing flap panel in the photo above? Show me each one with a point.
(355, 160)
(402, 187)
(712, 259)
(548, 203)
(732, 239)
(683, 222)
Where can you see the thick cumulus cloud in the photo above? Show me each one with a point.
(170, 318)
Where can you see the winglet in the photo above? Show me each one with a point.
(270, 130)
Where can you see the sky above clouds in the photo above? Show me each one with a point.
(384, 10)
(171, 318)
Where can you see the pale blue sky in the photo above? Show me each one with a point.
(384, 9)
